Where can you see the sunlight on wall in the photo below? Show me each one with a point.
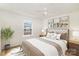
(75, 33)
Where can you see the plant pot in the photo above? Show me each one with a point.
(7, 46)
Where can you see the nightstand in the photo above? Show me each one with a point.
(74, 47)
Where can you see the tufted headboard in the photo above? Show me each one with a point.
(64, 33)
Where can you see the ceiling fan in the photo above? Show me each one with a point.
(43, 12)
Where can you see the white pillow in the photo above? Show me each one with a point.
(51, 35)
(48, 35)
(58, 36)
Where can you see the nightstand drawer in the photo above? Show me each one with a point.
(72, 45)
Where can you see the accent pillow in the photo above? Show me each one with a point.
(51, 35)
(58, 36)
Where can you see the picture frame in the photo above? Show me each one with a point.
(59, 23)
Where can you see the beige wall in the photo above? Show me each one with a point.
(0, 43)
(74, 23)
(74, 20)
(0, 32)
(16, 22)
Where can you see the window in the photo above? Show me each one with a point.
(27, 27)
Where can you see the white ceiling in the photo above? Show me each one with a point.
(36, 10)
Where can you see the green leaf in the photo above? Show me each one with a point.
(6, 33)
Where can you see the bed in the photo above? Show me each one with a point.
(45, 46)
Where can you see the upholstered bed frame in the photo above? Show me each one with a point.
(64, 34)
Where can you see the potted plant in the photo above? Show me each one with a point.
(6, 34)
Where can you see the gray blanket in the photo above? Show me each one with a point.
(57, 46)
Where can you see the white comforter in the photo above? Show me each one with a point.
(62, 43)
(47, 49)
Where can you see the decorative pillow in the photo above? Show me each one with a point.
(64, 36)
(58, 36)
(51, 35)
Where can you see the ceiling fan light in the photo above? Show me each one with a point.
(45, 8)
(45, 13)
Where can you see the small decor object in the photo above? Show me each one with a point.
(6, 34)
